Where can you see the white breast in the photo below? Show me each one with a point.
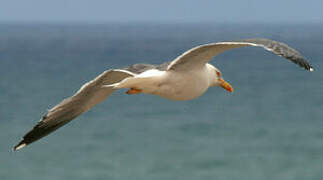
(180, 85)
(174, 85)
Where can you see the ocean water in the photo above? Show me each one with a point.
(271, 127)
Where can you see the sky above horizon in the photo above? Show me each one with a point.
(162, 11)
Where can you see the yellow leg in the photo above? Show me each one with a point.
(133, 91)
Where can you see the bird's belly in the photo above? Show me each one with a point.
(182, 87)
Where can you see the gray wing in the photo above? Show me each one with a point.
(89, 95)
(139, 68)
(200, 55)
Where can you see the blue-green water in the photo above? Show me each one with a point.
(270, 128)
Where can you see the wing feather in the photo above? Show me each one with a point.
(89, 95)
(200, 55)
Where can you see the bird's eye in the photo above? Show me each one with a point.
(218, 73)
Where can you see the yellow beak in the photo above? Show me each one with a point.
(226, 85)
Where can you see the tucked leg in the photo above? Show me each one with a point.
(134, 91)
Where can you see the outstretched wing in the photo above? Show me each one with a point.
(89, 95)
(200, 55)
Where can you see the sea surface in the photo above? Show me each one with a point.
(271, 127)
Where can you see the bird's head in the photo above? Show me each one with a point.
(217, 80)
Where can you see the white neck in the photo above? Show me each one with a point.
(213, 78)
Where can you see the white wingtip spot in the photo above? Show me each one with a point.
(311, 69)
(20, 146)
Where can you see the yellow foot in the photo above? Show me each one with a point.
(134, 91)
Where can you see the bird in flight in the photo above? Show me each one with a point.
(186, 77)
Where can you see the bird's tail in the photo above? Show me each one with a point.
(129, 82)
(113, 86)
(126, 83)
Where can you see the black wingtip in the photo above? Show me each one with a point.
(307, 67)
(20, 145)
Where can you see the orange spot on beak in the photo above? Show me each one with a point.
(226, 85)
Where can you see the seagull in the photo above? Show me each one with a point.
(186, 77)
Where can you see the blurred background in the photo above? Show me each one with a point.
(270, 128)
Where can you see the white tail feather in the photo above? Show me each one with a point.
(114, 86)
